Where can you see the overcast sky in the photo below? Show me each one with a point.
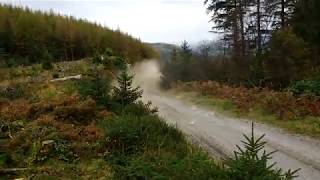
(169, 21)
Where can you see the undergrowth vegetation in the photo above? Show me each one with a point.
(86, 129)
(297, 113)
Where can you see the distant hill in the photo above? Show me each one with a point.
(164, 50)
(28, 36)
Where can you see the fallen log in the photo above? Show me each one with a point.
(67, 78)
(12, 170)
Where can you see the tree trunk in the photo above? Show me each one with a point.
(259, 27)
(236, 31)
(283, 14)
(243, 47)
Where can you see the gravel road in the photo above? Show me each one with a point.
(220, 134)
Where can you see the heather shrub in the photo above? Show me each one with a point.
(15, 110)
(70, 131)
(283, 105)
(92, 133)
(38, 109)
(83, 113)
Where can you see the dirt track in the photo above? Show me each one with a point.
(220, 134)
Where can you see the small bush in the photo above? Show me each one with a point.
(34, 71)
(119, 63)
(92, 133)
(11, 62)
(97, 58)
(38, 109)
(286, 60)
(131, 134)
(55, 75)
(5, 160)
(140, 109)
(145, 147)
(96, 88)
(305, 87)
(47, 65)
(13, 91)
(166, 165)
(22, 141)
(57, 149)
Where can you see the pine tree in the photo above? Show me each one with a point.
(251, 162)
(186, 50)
(125, 93)
(96, 87)
(228, 16)
(282, 11)
(306, 21)
(204, 49)
(25, 34)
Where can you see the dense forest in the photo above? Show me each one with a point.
(264, 43)
(28, 36)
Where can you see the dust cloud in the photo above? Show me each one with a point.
(147, 76)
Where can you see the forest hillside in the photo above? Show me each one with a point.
(28, 36)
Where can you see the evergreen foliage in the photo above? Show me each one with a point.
(125, 94)
(46, 65)
(30, 36)
(264, 43)
(186, 50)
(311, 87)
(96, 87)
(251, 162)
(286, 60)
(306, 22)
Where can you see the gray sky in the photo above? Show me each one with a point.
(169, 21)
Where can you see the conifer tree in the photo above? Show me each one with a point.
(228, 16)
(251, 162)
(96, 87)
(186, 50)
(125, 93)
(282, 10)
